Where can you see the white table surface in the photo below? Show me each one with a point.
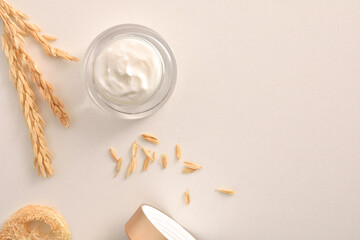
(267, 100)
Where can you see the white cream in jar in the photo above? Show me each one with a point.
(128, 71)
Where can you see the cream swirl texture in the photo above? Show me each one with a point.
(128, 71)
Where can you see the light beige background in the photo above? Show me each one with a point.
(267, 100)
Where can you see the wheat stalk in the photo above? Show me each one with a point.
(42, 155)
(15, 26)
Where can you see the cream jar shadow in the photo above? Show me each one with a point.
(129, 71)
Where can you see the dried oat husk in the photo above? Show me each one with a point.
(17, 227)
(15, 27)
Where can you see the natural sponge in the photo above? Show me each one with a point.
(27, 223)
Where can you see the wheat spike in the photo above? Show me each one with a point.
(46, 89)
(35, 123)
(15, 27)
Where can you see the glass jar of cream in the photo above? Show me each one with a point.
(129, 71)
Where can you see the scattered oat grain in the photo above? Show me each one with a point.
(178, 152)
(134, 148)
(118, 166)
(128, 172)
(188, 170)
(146, 152)
(150, 138)
(192, 165)
(146, 164)
(187, 197)
(226, 191)
(153, 158)
(113, 154)
(133, 162)
(164, 160)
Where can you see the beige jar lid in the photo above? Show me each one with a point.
(149, 223)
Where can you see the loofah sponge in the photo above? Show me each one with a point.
(26, 224)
